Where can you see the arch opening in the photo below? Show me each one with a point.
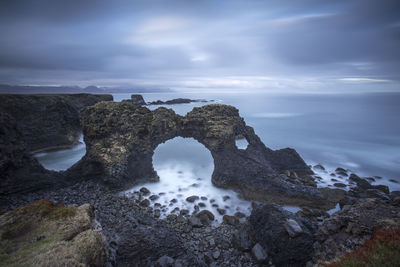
(241, 142)
(185, 167)
(60, 160)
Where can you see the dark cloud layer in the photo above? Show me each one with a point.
(205, 44)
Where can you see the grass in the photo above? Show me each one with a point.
(382, 250)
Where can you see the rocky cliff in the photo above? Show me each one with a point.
(48, 121)
(36, 122)
(121, 139)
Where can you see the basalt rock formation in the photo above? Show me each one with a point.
(48, 121)
(121, 139)
(36, 122)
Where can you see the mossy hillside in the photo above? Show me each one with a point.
(43, 228)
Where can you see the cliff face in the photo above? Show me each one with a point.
(48, 121)
(32, 122)
(121, 139)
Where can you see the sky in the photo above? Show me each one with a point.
(251, 45)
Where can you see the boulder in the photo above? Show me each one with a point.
(287, 237)
(192, 199)
(259, 253)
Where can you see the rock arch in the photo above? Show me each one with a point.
(121, 139)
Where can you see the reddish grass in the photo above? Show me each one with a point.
(382, 250)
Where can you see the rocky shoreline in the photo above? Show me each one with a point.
(121, 137)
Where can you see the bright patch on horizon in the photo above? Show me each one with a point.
(363, 80)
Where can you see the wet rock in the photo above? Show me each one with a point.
(203, 198)
(221, 211)
(201, 204)
(333, 175)
(206, 215)
(145, 203)
(319, 167)
(231, 220)
(212, 200)
(240, 214)
(225, 198)
(184, 212)
(341, 172)
(192, 199)
(371, 179)
(340, 185)
(394, 181)
(174, 200)
(334, 180)
(154, 197)
(145, 191)
(259, 253)
(165, 261)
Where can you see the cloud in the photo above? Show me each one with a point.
(218, 44)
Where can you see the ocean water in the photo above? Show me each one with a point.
(358, 132)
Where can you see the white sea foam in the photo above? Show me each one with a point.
(185, 168)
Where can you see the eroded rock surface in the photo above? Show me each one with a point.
(47, 121)
(46, 234)
(36, 122)
(121, 139)
(287, 237)
(350, 227)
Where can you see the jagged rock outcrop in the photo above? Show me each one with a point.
(350, 227)
(287, 237)
(177, 101)
(48, 121)
(36, 122)
(121, 138)
(46, 234)
(137, 100)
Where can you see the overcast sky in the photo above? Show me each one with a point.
(188, 45)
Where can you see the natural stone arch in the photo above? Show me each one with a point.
(121, 139)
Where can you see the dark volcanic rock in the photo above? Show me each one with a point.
(176, 101)
(121, 139)
(37, 122)
(288, 238)
(348, 228)
(48, 121)
(137, 100)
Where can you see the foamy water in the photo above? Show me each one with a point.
(185, 168)
(62, 159)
